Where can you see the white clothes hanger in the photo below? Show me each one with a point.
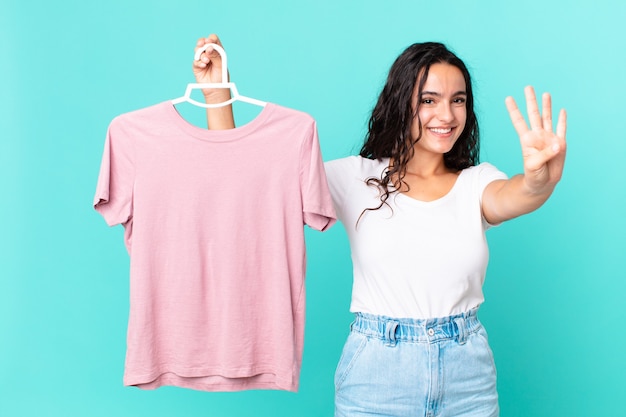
(235, 96)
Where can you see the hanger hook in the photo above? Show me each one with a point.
(222, 53)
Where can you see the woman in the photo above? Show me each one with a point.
(416, 204)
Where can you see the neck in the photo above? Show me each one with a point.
(426, 165)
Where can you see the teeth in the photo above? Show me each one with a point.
(441, 130)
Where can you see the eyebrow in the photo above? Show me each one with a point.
(433, 93)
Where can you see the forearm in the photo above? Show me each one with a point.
(207, 69)
(219, 118)
(512, 198)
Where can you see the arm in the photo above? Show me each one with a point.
(208, 69)
(544, 156)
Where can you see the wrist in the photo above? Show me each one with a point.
(216, 95)
(536, 189)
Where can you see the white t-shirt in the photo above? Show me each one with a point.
(413, 259)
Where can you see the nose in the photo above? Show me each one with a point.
(444, 112)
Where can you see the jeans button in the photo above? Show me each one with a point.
(431, 332)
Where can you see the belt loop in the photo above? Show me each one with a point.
(461, 330)
(390, 333)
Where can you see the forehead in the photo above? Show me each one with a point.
(444, 78)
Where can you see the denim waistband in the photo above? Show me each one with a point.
(392, 330)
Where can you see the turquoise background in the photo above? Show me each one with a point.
(555, 288)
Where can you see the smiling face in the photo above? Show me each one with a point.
(441, 109)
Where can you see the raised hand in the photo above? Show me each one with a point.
(543, 150)
(208, 69)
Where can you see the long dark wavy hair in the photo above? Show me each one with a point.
(389, 128)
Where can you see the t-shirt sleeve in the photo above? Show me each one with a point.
(340, 172)
(114, 191)
(317, 205)
(486, 174)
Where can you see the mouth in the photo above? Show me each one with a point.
(440, 130)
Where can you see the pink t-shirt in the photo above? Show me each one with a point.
(214, 228)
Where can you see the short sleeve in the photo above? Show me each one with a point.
(341, 174)
(486, 174)
(317, 205)
(114, 190)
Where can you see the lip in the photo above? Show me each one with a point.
(441, 131)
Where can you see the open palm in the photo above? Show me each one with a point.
(542, 148)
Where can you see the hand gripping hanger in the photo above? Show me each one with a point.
(233, 88)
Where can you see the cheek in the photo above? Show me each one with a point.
(415, 124)
(424, 117)
(461, 116)
(424, 113)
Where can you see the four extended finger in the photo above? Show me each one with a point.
(534, 117)
(546, 112)
(516, 116)
(561, 125)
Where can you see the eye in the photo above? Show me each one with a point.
(460, 100)
(427, 101)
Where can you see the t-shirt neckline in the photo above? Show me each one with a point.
(416, 202)
(224, 135)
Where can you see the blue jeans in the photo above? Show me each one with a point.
(405, 367)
